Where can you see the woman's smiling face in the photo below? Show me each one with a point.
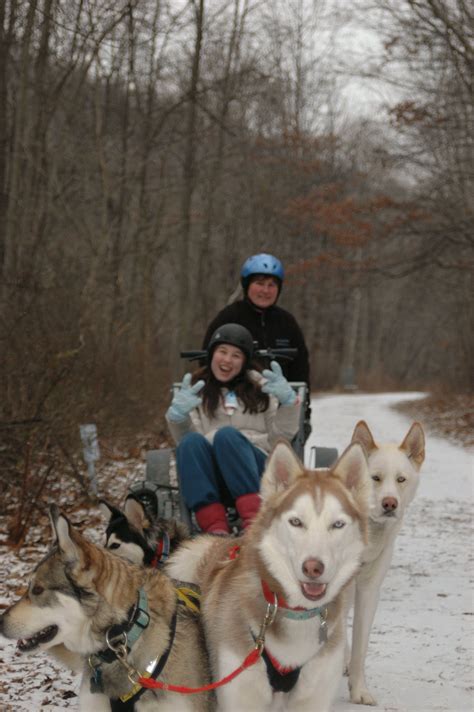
(263, 291)
(227, 362)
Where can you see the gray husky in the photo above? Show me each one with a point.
(122, 620)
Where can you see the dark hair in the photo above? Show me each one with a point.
(244, 387)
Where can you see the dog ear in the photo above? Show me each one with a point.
(135, 513)
(363, 436)
(109, 511)
(282, 469)
(414, 445)
(65, 535)
(353, 470)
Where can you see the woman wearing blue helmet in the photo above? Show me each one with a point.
(262, 277)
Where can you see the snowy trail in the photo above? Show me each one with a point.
(421, 649)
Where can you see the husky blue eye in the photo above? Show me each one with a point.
(295, 522)
(339, 524)
(401, 478)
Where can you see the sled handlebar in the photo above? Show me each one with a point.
(285, 354)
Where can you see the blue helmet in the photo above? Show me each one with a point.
(261, 264)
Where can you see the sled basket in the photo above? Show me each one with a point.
(158, 500)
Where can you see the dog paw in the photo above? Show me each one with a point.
(361, 696)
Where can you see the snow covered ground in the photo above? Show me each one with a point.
(421, 649)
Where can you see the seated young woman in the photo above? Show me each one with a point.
(225, 419)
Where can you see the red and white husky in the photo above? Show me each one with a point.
(300, 553)
(394, 471)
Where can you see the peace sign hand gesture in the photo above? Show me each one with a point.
(185, 399)
(277, 385)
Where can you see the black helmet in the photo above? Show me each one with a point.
(233, 334)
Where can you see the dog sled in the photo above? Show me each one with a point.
(160, 493)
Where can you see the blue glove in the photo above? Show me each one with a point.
(277, 385)
(184, 400)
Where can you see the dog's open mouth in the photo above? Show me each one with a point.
(43, 636)
(313, 591)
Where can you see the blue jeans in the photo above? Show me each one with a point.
(220, 472)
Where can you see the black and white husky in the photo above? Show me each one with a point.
(135, 536)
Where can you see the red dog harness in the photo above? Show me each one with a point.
(282, 678)
(162, 550)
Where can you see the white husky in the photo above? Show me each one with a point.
(394, 470)
(295, 563)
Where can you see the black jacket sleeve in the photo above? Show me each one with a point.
(299, 368)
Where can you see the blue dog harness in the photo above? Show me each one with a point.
(120, 639)
(126, 634)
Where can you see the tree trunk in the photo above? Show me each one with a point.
(186, 281)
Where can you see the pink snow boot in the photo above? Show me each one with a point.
(212, 519)
(247, 507)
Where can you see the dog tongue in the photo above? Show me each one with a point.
(313, 590)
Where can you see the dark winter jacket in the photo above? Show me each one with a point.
(271, 328)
